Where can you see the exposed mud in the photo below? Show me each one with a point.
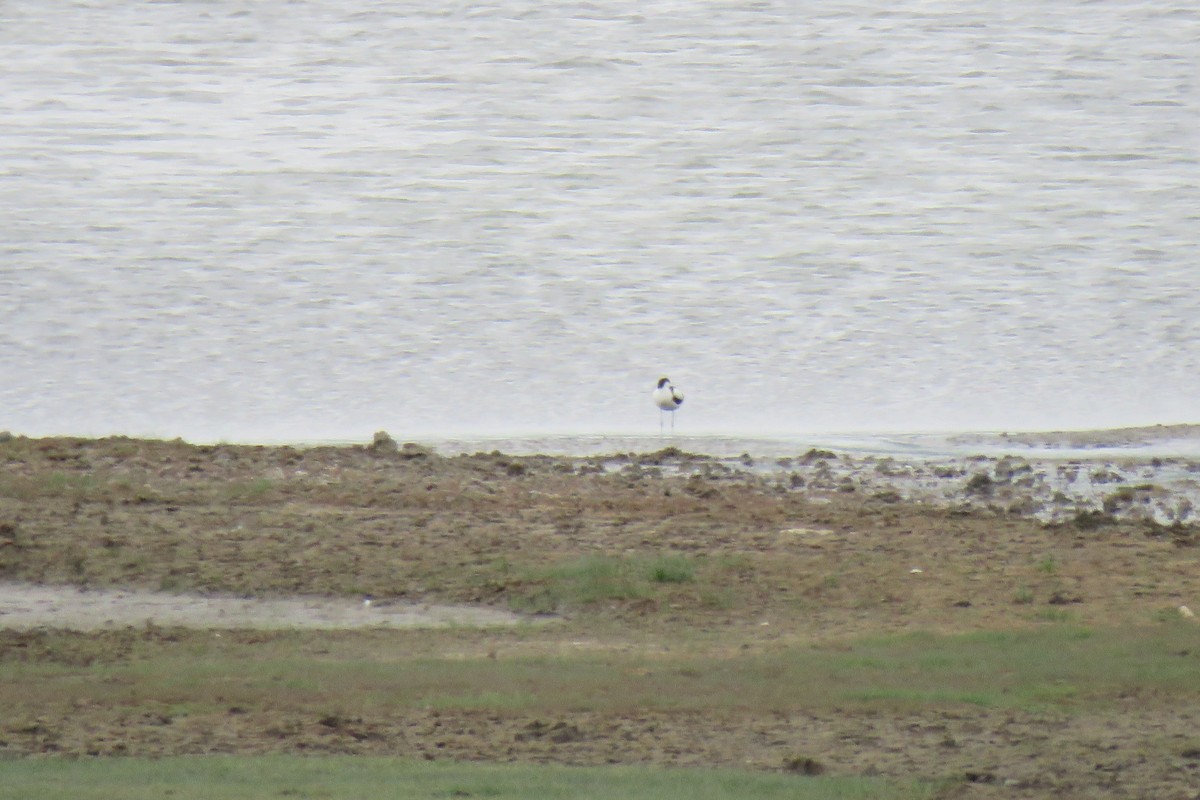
(811, 547)
(24, 606)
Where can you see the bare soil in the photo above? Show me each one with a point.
(815, 548)
(31, 606)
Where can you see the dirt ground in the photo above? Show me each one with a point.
(819, 547)
(31, 606)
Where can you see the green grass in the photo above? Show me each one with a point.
(335, 778)
(51, 485)
(594, 579)
(250, 490)
(672, 569)
(1061, 665)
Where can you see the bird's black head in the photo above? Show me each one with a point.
(663, 381)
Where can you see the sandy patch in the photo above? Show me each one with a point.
(26, 606)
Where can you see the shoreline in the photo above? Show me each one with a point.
(1113, 478)
(1177, 440)
(80, 512)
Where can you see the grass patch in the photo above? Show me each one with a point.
(48, 485)
(251, 490)
(334, 778)
(672, 569)
(1062, 666)
(595, 579)
(1059, 665)
(717, 599)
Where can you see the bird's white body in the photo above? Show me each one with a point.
(667, 398)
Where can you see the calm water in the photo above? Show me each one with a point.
(311, 220)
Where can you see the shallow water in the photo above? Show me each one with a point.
(278, 222)
(1166, 441)
(1084, 478)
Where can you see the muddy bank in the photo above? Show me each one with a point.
(1162, 441)
(816, 543)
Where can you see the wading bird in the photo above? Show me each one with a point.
(667, 398)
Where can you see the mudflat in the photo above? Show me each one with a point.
(651, 556)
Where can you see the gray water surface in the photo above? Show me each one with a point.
(311, 220)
